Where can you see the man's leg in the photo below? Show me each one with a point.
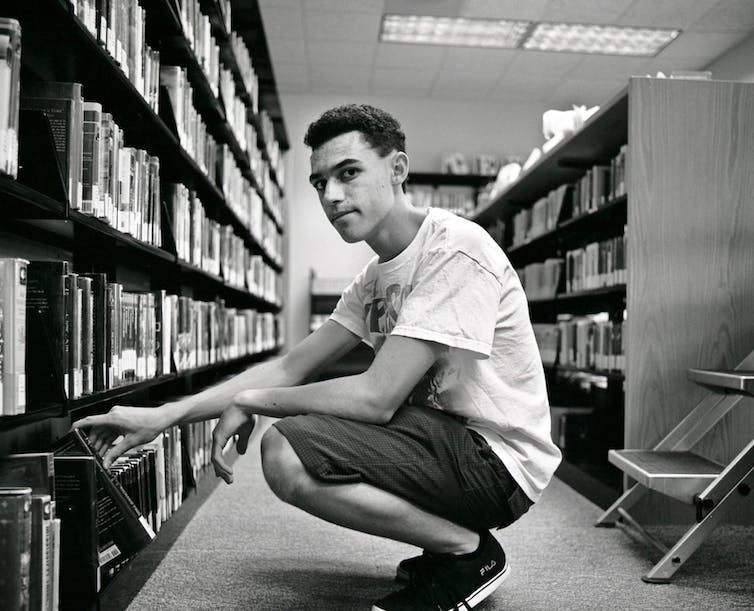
(358, 506)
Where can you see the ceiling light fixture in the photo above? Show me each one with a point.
(526, 35)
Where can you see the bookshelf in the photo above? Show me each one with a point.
(38, 222)
(688, 292)
(458, 193)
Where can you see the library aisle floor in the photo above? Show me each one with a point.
(243, 549)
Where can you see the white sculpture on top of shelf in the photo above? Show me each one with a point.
(557, 124)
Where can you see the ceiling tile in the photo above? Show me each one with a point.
(286, 73)
(283, 23)
(287, 50)
(608, 67)
(341, 53)
(504, 9)
(523, 88)
(359, 6)
(728, 16)
(287, 4)
(543, 63)
(335, 74)
(408, 56)
(395, 79)
(342, 26)
(705, 46)
(585, 11)
(665, 13)
(437, 8)
(666, 66)
(474, 85)
(494, 61)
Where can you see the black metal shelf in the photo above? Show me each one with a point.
(8, 423)
(598, 141)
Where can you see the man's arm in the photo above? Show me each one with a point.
(139, 425)
(372, 396)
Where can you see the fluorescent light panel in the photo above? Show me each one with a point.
(528, 35)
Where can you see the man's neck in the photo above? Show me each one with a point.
(397, 232)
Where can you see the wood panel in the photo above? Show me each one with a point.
(690, 292)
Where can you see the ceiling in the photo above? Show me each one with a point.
(331, 47)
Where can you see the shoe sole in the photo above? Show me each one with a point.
(477, 595)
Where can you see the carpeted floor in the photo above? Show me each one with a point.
(243, 549)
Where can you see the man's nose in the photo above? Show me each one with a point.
(333, 191)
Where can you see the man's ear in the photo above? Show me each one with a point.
(400, 168)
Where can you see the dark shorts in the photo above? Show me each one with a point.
(422, 455)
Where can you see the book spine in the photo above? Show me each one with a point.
(99, 331)
(73, 308)
(15, 559)
(87, 334)
(13, 297)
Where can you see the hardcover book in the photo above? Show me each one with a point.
(48, 328)
(13, 322)
(15, 559)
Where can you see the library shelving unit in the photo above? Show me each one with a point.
(38, 222)
(456, 192)
(688, 216)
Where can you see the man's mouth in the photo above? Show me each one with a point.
(339, 215)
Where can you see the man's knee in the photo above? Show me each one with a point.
(282, 468)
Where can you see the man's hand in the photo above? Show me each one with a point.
(137, 425)
(233, 420)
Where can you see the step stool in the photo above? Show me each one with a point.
(670, 468)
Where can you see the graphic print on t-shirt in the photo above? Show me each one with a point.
(382, 312)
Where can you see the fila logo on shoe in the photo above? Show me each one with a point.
(487, 568)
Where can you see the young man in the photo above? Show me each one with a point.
(446, 435)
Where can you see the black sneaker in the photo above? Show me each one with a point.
(408, 566)
(448, 582)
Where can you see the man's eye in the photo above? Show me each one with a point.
(319, 185)
(349, 173)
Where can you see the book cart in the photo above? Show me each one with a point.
(37, 221)
(683, 200)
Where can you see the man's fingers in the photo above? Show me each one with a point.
(244, 433)
(119, 448)
(91, 421)
(218, 462)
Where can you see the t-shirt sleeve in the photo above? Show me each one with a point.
(349, 311)
(454, 301)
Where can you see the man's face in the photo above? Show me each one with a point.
(353, 184)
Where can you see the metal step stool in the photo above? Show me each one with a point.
(670, 468)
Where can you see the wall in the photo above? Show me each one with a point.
(432, 127)
(737, 64)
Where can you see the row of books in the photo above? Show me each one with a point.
(596, 265)
(215, 249)
(69, 525)
(591, 342)
(99, 171)
(541, 280)
(190, 127)
(456, 199)
(599, 186)
(585, 342)
(542, 217)
(197, 29)
(64, 335)
(120, 28)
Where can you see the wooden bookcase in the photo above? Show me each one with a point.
(689, 295)
(57, 46)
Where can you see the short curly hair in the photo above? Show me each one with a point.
(380, 130)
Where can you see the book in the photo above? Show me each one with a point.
(99, 330)
(113, 337)
(10, 70)
(63, 106)
(76, 505)
(87, 334)
(73, 308)
(15, 556)
(13, 322)
(40, 578)
(35, 470)
(122, 529)
(91, 159)
(47, 328)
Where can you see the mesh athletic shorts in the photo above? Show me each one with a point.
(422, 455)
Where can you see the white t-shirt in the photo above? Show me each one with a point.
(454, 285)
